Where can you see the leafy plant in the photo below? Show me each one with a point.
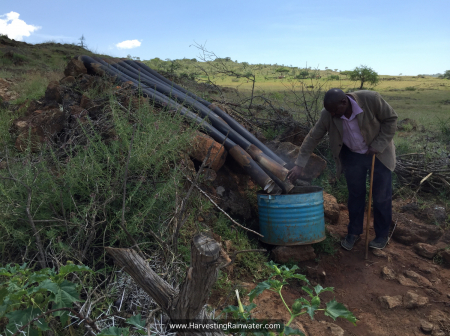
(277, 279)
(28, 294)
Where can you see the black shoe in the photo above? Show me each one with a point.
(349, 241)
(379, 243)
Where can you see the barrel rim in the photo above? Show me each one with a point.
(313, 190)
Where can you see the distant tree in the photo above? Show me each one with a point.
(303, 74)
(346, 73)
(446, 74)
(282, 70)
(364, 74)
(82, 39)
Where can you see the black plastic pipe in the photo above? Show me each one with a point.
(225, 116)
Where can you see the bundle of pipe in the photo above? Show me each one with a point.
(157, 87)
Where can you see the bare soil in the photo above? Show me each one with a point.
(359, 283)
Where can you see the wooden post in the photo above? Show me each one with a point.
(188, 303)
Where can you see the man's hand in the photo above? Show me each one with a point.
(372, 151)
(294, 173)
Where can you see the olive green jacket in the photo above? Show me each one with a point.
(377, 122)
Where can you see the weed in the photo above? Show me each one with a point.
(326, 246)
(410, 88)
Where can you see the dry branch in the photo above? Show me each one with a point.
(188, 303)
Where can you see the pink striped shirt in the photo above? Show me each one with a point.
(352, 136)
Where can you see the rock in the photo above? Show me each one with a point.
(380, 253)
(406, 281)
(445, 255)
(53, 92)
(200, 146)
(426, 250)
(412, 300)
(316, 273)
(284, 254)
(437, 213)
(388, 274)
(331, 208)
(407, 124)
(409, 232)
(37, 128)
(69, 80)
(419, 279)
(426, 326)
(333, 329)
(438, 332)
(209, 174)
(432, 293)
(438, 316)
(390, 302)
(74, 68)
(220, 190)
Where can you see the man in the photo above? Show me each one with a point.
(359, 124)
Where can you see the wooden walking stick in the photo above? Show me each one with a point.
(369, 207)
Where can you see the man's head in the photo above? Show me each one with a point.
(336, 102)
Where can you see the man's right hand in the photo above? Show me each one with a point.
(294, 173)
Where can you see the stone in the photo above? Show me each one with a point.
(285, 254)
(200, 146)
(437, 213)
(380, 253)
(426, 326)
(35, 129)
(445, 255)
(419, 279)
(69, 80)
(406, 281)
(75, 68)
(53, 92)
(220, 191)
(331, 208)
(432, 292)
(388, 274)
(409, 232)
(438, 332)
(333, 329)
(426, 250)
(390, 302)
(412, 300)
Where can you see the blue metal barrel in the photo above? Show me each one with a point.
(293, 219)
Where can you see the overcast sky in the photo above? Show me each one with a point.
(392, 37)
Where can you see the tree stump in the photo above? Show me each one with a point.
(188, 303)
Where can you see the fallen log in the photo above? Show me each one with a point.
(189, 302)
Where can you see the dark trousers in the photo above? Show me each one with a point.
(356, 169)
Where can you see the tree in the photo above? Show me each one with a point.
(364, 74)
(446, 74)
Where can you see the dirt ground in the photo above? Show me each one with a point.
(359, 284)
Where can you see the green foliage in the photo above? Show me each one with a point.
(277, 279)
(446, 74)
(333, 77)
(282, 70)
(364, 74)
(410, 88)
(83, 186)
(245, 262)
(326, 246)
(26, 294)
(444, 128)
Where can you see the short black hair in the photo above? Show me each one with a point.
(333, 96)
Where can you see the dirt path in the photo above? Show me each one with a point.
(360, 283)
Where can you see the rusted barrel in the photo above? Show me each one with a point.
(293, 219)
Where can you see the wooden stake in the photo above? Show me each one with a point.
(369, 207)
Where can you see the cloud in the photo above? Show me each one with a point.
(14, 28)
(128, 44)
